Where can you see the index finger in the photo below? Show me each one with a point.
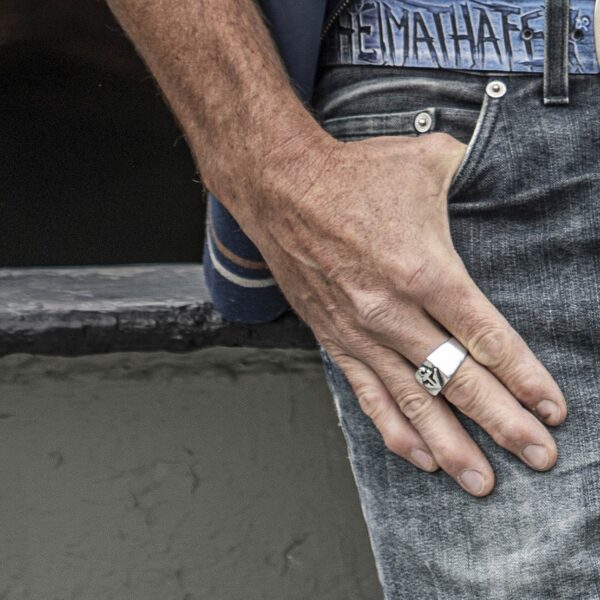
(464, 310)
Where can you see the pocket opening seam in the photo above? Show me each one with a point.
(484, 127)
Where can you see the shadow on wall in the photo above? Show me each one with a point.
(95, 169)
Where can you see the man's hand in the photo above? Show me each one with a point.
(356, 235)
(366, 258)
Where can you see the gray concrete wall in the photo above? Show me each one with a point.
(219, 474)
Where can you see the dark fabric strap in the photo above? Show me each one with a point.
(556, 52)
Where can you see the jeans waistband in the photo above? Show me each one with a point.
(457, 34)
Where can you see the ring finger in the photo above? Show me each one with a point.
(478, 393)
(452, 447)
(399, 436)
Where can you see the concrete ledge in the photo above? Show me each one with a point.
(90, 310)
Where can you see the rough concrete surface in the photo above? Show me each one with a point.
(219, 474)
(72, 311)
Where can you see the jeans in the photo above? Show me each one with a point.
(524, 213)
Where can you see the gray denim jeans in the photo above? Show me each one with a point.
(525, 218)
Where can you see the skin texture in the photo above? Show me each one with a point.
(325, 216)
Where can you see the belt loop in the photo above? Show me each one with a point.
(556, 52)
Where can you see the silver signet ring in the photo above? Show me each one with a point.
(439, 367)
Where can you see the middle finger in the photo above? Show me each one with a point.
(478, 393)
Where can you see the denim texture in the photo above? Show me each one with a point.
(525, 218)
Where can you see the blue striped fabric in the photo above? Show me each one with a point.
(239, 282)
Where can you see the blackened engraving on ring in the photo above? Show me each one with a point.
(431, 378)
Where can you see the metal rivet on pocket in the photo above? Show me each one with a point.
(423, 122)
(495, 89)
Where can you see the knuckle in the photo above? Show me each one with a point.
(327, 342)
(373, 314)
(396, 444)
(510, 433)
(337, 354)
(342, 327)
(449, 456)
(370, 402)
(464, 391)
(490, 345)
(344, 343)
(527, 383)
(357, 344)
(415, 404)
(346, 363)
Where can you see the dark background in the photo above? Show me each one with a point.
(94, 168)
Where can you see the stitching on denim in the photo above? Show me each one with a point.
(485, 127)
(556, 100)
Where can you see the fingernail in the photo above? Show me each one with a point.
(536, 456)
(422, 459)
(547, 409)
(472, 481)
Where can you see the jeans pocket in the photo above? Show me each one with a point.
(477, 147)
(357, 127)
(464, 107)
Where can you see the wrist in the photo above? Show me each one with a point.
(291, 167)
(270, 169)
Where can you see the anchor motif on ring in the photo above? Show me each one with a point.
(430, 377)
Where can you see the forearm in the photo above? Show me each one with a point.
(220, 71)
